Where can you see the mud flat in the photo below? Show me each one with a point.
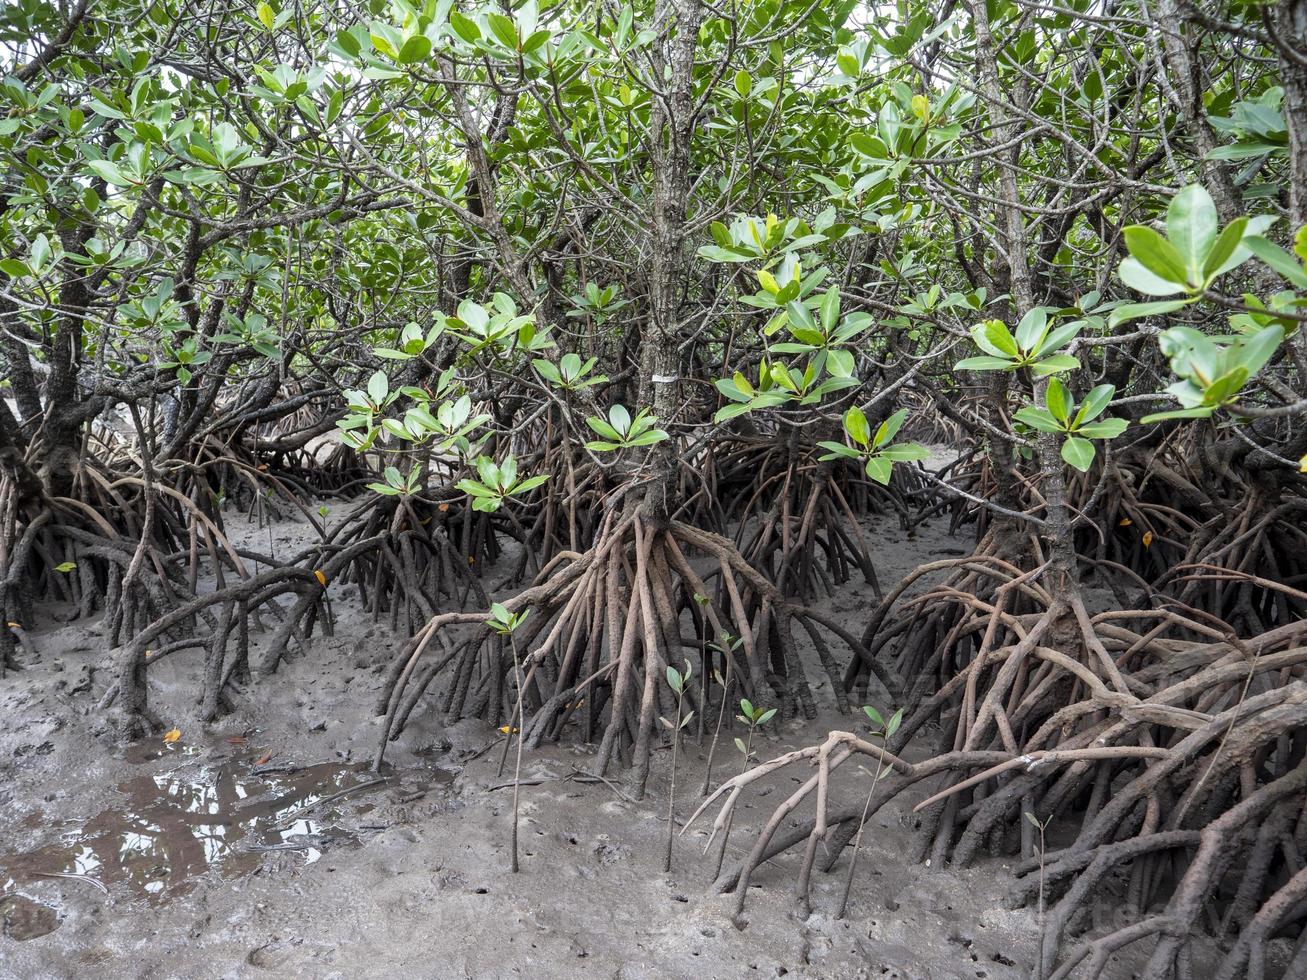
(265, 845)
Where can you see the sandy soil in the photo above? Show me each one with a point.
(263, 847)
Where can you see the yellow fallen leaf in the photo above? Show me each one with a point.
(1125, 522)
(322, 579)
(172, 736)
(1302, 465)
(1148, 538)
(504, 729)
(149, 654)
(15, 626)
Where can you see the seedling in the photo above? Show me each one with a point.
(753, 717)
(726, 645)
(677, 681)
(505, 623)
(883, 730)
(1041, 827)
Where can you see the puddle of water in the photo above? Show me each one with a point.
(176, 826)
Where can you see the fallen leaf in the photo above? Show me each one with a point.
(444, 507)
(149, 654)
(15, 626)
(322, 579)
(172, 736)
(1125, 522)
(1148, 538)
(235, 739)
(504, 729)
(264, 760)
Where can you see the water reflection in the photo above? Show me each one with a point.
(174, 827)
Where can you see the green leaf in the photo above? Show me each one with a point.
(648, 438)
(1199, 412)
(984, 364)
(830, 309)
(1032, 328)
(1094, 403)
(1000, 339)
(504, 29)
(1051, 365)
(1157, 255)
(880, 469)
(1223, 249)
(888, 429)
(1059, 337)
(839, 363)
(464, 27)
(837, 450)
(1257, 350)
(855, 424)
(1038, 418)
(895, 721)
(415, 49)
(1078, 452)
(64, 567)
(1278, 259)
(1191, 225)
(109, 173)
(1106, 429)
(267, 17)
(1133, 311)
(1058, 400)
(905, 452)
(1134, 275)
(385, 39)
(603, 429)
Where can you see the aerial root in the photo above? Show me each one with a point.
(602, 628)
(1148, 736)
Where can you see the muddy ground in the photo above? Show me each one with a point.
(264, 845)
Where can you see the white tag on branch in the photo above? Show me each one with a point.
(665, 379)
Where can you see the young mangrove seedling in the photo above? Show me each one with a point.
(505, 623)
(677, 680)
(727, 644)
(883, 730)
(1041, 827)
(753, 718)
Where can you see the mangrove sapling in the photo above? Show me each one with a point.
(753, 718)
(884, 731)
(677, 680)
(505, 623)
(727, 644)
(1041, 826)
